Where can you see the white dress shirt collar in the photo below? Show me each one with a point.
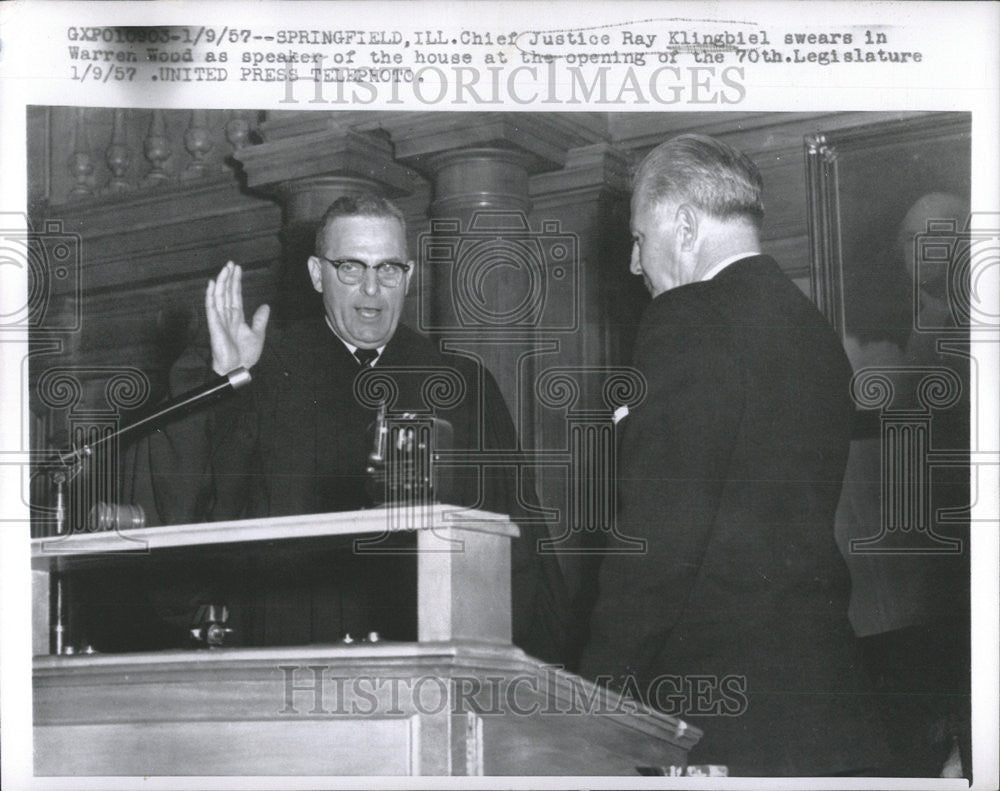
(716, 268)
(350, 346)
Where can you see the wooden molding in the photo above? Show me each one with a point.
(333, 151)
(545, 138)
(589, 171)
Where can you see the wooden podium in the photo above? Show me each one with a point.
(460, 701)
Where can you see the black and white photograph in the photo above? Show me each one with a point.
(436, 400)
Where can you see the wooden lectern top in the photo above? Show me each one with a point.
(462, 557)
(433, 518)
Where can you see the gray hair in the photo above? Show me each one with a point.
(364, 205)
(705, 172)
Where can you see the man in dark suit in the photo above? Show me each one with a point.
(735, 617)
(297, 439)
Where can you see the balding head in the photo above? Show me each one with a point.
(705, 172)
(696, 201)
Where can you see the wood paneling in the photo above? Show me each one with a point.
(386, 746)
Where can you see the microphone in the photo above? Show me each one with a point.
(234, 380)
(403, 465)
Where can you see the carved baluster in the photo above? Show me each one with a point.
(198, 142)
(157, 149)
(80, 165)
(238, 129)
(118, 155)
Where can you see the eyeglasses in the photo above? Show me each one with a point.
(351, 272)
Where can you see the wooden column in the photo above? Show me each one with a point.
(486, 269)
(478, 282)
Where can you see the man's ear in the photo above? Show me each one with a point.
(409, 275)
(686, 226)
(316, 273)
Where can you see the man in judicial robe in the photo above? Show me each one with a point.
(297, 440)
(735, 616)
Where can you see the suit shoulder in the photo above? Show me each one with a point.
(409, 347)
(297, 350)
(408, 338)
(299, 332)
(691, 313)
(683, 338)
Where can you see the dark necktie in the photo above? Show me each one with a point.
(366, 356)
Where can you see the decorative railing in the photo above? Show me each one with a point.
(95, 153)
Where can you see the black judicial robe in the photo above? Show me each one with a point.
(735, 617)
(296, 441)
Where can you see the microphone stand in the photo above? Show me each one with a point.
(72, 461)
(233, 380)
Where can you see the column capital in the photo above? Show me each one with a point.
(543, 139)
(469, 179)
(306, 169)
(590, 169)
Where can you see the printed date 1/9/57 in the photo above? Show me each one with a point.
(102, 73)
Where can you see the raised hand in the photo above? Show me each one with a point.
(234, 342)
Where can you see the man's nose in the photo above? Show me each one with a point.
(634, 266)
(369, 283)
